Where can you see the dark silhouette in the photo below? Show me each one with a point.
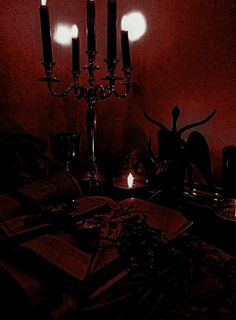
(176, 157)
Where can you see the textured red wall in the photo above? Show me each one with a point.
(186, 57)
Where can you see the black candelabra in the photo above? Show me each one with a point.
(93, 91)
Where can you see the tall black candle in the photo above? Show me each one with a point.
(111, 29)
(125, 50)
(91, 37)
(46, 35)
(75, 51)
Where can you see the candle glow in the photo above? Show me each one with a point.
(135, 23)
(74, 31)
(130, 180)
(63, 33)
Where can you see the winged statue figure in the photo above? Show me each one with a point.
(176, 157)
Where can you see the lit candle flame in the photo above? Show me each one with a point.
(43, 2)
(130, 180)
(74, 31)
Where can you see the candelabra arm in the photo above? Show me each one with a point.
(64, 93)
(125, 83)
(123, 94)
(102, 92)
(112, 78)
(50, 79)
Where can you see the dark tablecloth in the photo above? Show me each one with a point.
(200, 285)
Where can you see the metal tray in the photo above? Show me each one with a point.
(226, 209)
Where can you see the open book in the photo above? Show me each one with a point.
(52, 189)
(55, 217)
(44, 205)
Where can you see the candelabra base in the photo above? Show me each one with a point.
(98, 176)
(93, 182)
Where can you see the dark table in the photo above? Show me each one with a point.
(199, 284)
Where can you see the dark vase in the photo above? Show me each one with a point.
(229, 171)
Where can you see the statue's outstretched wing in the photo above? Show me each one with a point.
(197, 153)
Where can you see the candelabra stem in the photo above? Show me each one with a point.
(93, 176)
(91, 128)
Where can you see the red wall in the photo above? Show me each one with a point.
(186, 57)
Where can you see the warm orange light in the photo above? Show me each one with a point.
(43, 2)
(130, 180)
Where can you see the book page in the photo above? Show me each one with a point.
(88, 206)
(15, 228)
(171, 221)
(61, 253)
(9, 207)
(56, 187)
